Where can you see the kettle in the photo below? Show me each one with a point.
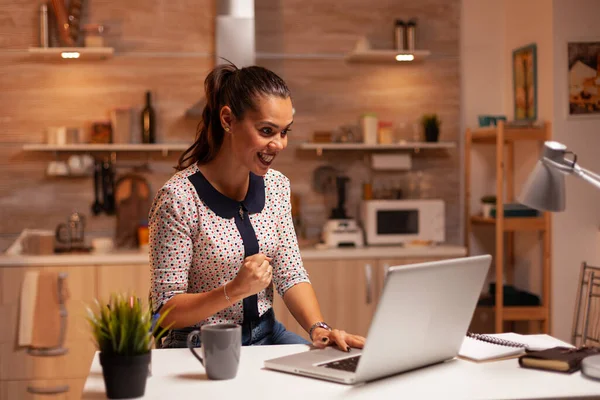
(72, 233)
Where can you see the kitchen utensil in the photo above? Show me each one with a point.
(80, 165)
(340, 211)
(62, 22)
(108, 187)
(72, 233)
(341, 230)
(324, 179)
(74, 16)
(132, 198)
(342, 233)
(57, 168)
(97, 207)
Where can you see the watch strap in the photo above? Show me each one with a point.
(316, 325)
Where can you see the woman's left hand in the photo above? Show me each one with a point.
(344, 341)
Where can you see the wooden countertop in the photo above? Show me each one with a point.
(308, 253)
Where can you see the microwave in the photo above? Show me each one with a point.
(403, 221)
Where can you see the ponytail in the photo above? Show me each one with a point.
(226, 85)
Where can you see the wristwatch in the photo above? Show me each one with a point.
(319, 324)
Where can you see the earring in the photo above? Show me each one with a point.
(226, 128)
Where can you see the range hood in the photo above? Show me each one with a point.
(234, 40)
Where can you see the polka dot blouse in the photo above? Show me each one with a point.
(195, 245)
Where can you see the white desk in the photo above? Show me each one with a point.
(176, 374)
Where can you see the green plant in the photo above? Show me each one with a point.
(489, 199)
(430, 121)
(123, 326)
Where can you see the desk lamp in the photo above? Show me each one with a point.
(544, 190)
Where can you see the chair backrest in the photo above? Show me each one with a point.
(586, 321)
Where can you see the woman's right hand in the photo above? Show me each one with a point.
(254, 275)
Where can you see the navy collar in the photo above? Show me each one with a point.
(226, 207)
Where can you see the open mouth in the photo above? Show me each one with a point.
(265, 158)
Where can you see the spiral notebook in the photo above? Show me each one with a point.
(493, 347)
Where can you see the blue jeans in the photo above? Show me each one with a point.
(266, 331)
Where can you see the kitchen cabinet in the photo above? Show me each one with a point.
(19, 369)
(17, 364)
(18, 389)
(130, 278)
(81, 286)
(347, 290)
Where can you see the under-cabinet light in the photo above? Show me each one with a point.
(405, 57)
(69, 54)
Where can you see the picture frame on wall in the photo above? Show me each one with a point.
(584, 78)
(524, 63)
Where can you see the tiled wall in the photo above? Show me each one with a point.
(166, 47)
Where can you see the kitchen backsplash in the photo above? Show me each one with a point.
(297, 39)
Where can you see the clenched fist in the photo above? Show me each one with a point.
(254, 275)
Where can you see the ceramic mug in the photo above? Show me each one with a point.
(221, 347)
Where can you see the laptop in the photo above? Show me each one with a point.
(421, 319)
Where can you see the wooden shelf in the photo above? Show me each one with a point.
(362, 146)
(513, 224)
(155, 147)
(505, 228)
(71, 53)
(521, 313)
(387, 56)
(488, 135)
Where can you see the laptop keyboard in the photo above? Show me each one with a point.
(347, 364)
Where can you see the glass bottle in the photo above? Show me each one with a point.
(148, 128)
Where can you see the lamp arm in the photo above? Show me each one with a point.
(587, 176)
(590, 173)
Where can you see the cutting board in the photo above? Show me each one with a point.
(133, 201)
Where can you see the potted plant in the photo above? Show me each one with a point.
(431, 126)
(124, 332)
(488, 202)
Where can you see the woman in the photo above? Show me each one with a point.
(221, 229)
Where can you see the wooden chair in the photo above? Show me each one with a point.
(586, 322)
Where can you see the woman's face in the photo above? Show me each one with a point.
(257, 139)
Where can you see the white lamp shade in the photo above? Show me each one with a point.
(544, 189)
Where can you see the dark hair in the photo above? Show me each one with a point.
(226, 85)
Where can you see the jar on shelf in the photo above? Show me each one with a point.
(385, 132)
(369, 126)
(94, 35)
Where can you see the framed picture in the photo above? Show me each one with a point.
(584, 78)
(524, 62)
